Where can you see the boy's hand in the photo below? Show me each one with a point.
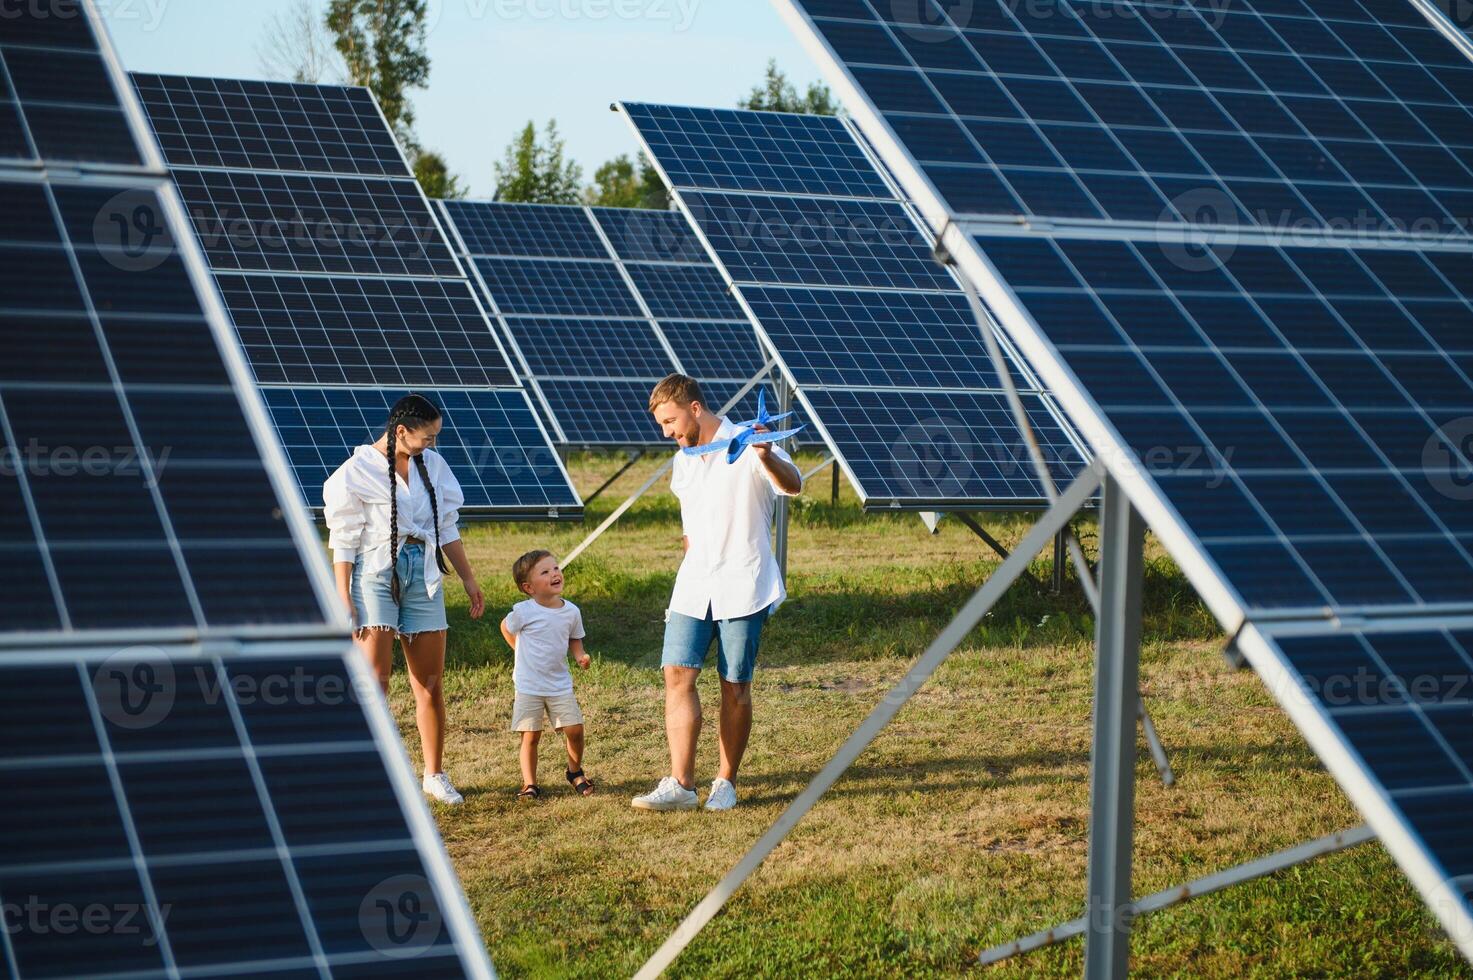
(583, 660)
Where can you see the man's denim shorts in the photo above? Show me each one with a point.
(414, 613)
(688, 640)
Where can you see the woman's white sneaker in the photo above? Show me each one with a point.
(669, 795)
(722, 795)
(437, 786)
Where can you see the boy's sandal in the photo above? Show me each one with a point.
(581, 783)
(530, 792)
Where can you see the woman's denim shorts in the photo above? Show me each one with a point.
(414, 613)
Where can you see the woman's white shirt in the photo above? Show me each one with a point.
(356, 506)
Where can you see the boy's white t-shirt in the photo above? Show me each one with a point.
(542, 634)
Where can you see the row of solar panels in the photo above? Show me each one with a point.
(345, 292)
(201, 778)
(1234, 243)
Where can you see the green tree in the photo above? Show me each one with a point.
(383, 46)
(538, 171)
(435, 177)
(616, 185)
(778, 94)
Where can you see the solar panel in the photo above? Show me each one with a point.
(145, 530)
(587, 349)
(1351, 116)
(491, 439)
(526, 230)
(58, 101)
(637, 235)
(293, 848)
(546, 287)
(817, 242)
(332, 265)
(594, 345)
(715, 348)
(317, 330)
(1317, 383)
(265, 222)
(273, 126)
(775, 152)
(855, 338)
(876, 337)
(684, 292)
(1287, 410)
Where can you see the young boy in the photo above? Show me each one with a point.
(542, 630)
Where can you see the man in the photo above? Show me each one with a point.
(727, 586)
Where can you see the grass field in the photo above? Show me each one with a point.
(964, 825)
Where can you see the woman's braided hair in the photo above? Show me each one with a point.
(414, 412)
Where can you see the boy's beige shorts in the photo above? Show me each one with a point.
(534, 712)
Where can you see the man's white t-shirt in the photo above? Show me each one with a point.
(726, 512)
(543, 634)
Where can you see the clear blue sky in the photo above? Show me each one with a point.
(498, 63)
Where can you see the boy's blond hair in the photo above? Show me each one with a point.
(678, 388)
(521, 569)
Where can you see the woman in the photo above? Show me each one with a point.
(384, 507)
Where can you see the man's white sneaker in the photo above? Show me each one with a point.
(669, 795)
(722, 795)
(437, 786)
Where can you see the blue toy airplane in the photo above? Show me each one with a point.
(747, 434)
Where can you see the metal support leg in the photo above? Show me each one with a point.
(1061, 557)
(991, 542)
(1112, 760)
(834, 490)
(634, 457)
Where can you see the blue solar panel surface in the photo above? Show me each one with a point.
(595, 345)
(330, 262)
(58, 100)
(587, 349)
(318, 330)
(817, 241)
(638, 235)
(684, 292)
(1260, 113)
(546, 231)
(1300, 401)
(775, 152)
(491, 440)
(294, 827)
(271, 126)
(534, 287)
(842, 283)
(123, 358)
(168, 534)
(268, 222)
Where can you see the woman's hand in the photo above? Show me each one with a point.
(473, 593)
(347, 599)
